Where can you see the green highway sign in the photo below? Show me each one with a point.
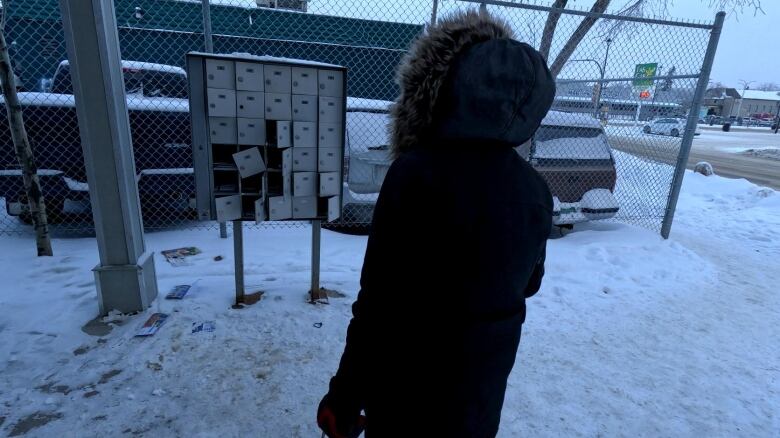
(644, 74)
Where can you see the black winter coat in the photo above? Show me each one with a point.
(457, 242)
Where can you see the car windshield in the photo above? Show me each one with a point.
(570, 143)
(367, 131)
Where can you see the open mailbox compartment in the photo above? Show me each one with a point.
(267, 137)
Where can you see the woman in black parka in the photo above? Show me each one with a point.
(457, 242)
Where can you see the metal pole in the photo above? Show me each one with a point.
(208, 42)
(690, 127)
(777, 118)
(316, 234)
(125, 278)
(238, 256)
(601, 82)
(655, 89)
(434, 11)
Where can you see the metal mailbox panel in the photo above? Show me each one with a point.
(287, 184)
(304, 207)
(278, 106)
(331, 110)
(279, 208)
(329, 135)
(260, 215)
(304, 80)
(228, 208)
(251, 131)
(305, 183)
(250, 103)
(221, 103)
(277, 78)
(249, 162)
(304, 159)
(283, 134)
(249, 76)
(220, 73)
(334, 208)
(330, 184)
(222, 130)
(287, 161)
(304, 108)
(329, 159)
(305, 134)
(331, 83)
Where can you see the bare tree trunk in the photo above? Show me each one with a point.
(32, 185)
(549, 29)
(574, 40)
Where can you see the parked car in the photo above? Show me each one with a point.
(160, 126)
(666, 126)
(573, 155)
(570, 151)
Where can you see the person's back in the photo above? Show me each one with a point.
(457, 242)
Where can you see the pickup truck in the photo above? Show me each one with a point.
(160, 126)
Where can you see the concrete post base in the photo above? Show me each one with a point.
(118, 286)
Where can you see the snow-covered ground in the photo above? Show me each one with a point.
(630, 335)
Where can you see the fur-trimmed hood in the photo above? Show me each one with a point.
(466, 78)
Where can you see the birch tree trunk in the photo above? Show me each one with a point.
(24, 154)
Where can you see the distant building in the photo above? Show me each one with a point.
(728, 102)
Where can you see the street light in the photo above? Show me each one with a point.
(602, 73)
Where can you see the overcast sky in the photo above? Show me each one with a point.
(749, 46)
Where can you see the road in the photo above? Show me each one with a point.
(712, 148)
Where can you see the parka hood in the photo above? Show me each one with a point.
(465, 79)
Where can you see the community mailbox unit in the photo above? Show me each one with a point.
(268, 137)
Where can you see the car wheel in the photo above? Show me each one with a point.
(675, 132)
(646, 129)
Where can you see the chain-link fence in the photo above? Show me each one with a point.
(608, 150)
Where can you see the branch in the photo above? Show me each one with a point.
(576, 38)
(549, 29)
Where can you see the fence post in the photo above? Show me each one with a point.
(316, 236)
(125, 278)
(208, 44)
(690, 126)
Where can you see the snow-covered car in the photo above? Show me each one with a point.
(366, 159)
(666, 126)
(573, 155)
(570, 151)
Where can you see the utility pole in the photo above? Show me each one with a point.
(745, 86)
(777, 118)
(603, 73)
(653, 109)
